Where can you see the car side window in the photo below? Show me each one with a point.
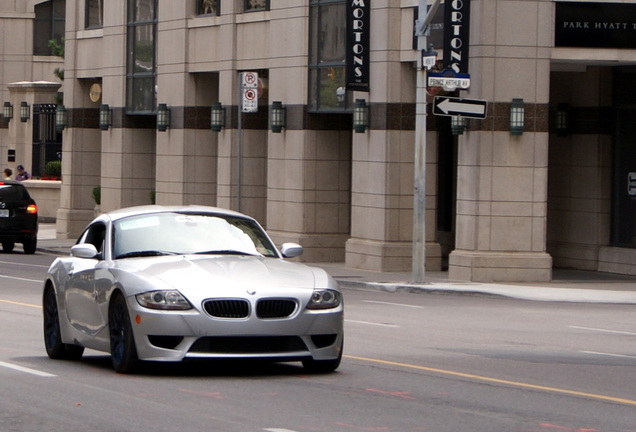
(95, 235)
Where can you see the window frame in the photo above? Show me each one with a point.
(199, 11)
(318, 68)
(248, 9)
(56, 15)
(134, 76)
(87, 14)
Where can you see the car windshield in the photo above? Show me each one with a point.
(183, 233)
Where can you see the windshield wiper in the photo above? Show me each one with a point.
(224, 252)
(145, 253)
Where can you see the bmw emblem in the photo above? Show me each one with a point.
(251, 291)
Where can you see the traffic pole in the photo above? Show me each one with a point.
(425, 16)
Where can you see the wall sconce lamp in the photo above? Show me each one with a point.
(163, 117)
(217, 117)
(458, 125)
(7, 111)
(277, 117)
(25, 111)
(563, 119)
(61, 118)
(360, 116)
(105, 117)
(517, 117)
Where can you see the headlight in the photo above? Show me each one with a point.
(163, 300)
(324, 299)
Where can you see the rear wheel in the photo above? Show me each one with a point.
(8, 246)
(52, 334)
(29, 246)
(123, 352)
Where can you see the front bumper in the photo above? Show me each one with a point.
(173, 336)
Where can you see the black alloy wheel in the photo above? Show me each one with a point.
(123, 352)
(52, 334)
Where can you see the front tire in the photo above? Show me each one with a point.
(123, 352)
(52, 334)
(8, 246)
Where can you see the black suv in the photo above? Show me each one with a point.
(18, 217)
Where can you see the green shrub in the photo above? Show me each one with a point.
(97, 195)
(53, 169)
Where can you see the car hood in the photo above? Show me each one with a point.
(221, 273)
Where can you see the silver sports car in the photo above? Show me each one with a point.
(169, 283)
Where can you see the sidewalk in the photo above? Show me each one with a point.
(566, 285)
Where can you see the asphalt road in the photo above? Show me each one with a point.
(413, 362)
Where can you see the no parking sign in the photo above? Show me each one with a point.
(249, 88)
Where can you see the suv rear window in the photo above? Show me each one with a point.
(13, 192)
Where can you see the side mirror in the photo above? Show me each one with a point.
(84, 250)
(291, 250)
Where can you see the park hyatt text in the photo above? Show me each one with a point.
(600, 25)
(595, 25)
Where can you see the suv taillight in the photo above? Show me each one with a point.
(32, 209)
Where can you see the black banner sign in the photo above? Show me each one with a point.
(456, 35)
(358, 27)
(595, 25)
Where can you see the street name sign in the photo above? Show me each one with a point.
(448, 80)
(449, 106)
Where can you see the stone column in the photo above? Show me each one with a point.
(502, 178)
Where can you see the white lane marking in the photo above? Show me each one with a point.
(608, 354)
(372, 323)
(278, 430)
(393, 304)
(24, 264)
(603, 330)
(26, 370)
(21, 279)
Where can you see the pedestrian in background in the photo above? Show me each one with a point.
(8, 173)
(22, 174)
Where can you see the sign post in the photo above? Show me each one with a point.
(419, 194)
(248, 103)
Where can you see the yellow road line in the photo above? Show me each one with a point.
(497, 381)
(21, 304)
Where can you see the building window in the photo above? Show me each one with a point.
(48, 25)
(327, 56)
(256, 5)
(209, 7)
(94, 13)
(141, 68)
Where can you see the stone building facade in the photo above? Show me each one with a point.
(499, 205)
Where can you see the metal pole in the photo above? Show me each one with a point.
(238, 141)
(419, 200)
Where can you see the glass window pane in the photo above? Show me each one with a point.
(208, 7)
(145, 10)
(331, 80)
(144, 48)
(333, 33)
(94, 13)
(59, 9)
(143, 94)
(256, 5)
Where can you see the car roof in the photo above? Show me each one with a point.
(11, 182)
(152, 209)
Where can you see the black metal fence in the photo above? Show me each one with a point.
(47, 143)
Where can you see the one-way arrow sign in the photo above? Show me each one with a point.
(448, 106)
